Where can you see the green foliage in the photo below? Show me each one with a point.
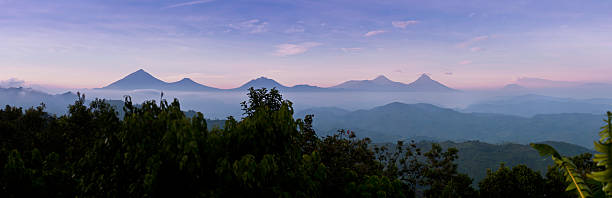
(459, 186)
(577, 183)
(519, 181)
(378, 186)
(154, 150)
(603, 158)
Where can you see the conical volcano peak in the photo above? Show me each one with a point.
(138, 80)
(424, 76)
(140, 72)
(381, 78)
(261, 82)
(425, 83)
(186, 80)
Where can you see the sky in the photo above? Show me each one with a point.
(225, 43)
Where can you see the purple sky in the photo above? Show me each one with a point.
(224, 43)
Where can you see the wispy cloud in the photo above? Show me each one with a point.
(12, 82)
(253, 26)
(189, 3)
(465, 62)
(404, 24)
(374, 32)
(476, 49)
(295, 29)
(351, 49)
(288, 49)
(473, 40)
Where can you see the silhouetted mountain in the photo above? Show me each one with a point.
(186, 84)
(426, 84)
(382, 83)
(137, 80)
(513, 88)
(261, 82)
(143, 80)
(530, 105)
(400, 121)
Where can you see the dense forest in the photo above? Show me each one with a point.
(154, 150)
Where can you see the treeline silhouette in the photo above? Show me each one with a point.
(154, 150)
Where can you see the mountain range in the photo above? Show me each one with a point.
(143, 80)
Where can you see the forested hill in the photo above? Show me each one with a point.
(395, 121)
(476, 157)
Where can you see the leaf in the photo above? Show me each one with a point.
(576, 182)
(546, 150)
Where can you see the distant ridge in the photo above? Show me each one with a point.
(381, 83)
(143, 80)
(261, 82)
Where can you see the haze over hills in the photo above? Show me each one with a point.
(531, 104)
(26, 98)
(143, 80)
(558, 88)
(421, 121)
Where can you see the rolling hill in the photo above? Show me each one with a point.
(424, 121)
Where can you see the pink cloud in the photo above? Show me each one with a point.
(404, 24)
(473, 40)
(190, 3)
(476, 49)
(374, 32)
(465, 62)
(288, 49)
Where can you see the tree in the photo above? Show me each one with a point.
(520, 181)
(440, 174)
